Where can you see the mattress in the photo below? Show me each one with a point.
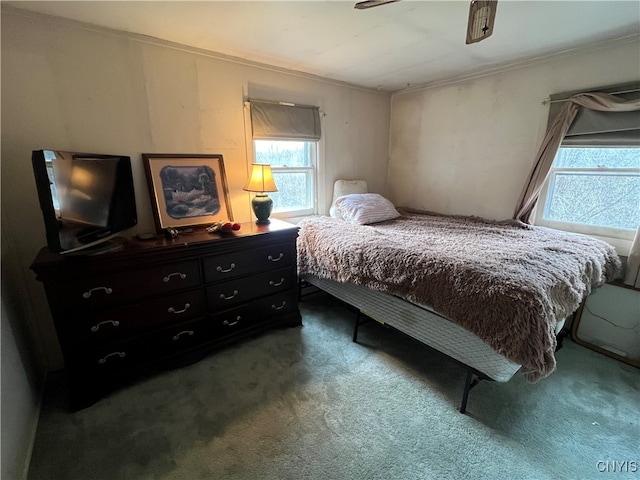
(508, 283)
(423, 324)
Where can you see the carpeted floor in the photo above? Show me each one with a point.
(307, 403)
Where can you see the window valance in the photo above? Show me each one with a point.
(601, 128)
(274, 120)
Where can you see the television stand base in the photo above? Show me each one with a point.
(112, 245)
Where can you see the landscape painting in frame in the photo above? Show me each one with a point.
(187, 190)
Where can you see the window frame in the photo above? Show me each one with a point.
(311, 172)
(621, 238)
(317, 195)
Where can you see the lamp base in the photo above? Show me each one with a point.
(262, 206)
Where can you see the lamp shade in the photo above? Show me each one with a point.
(261, 179)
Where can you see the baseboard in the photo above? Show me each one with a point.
(34, 428)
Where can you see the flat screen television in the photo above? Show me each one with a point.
(86, 199)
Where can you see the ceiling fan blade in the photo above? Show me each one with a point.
(372, 3)
(482, 15)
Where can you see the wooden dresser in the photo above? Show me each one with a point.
(164, 303)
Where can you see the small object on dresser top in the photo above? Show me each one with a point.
(147, 236)
(223, 227)
(171, 232)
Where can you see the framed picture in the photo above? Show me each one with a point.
(187, 190)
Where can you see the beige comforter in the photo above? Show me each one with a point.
(506, 282)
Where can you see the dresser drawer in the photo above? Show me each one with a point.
(111, 289)
(254, 313)
(227, 294)
(231, 265)
(108, 325)
(104, 360)
(185, 336)
(276, 305)
(119, 356)
(234, 320)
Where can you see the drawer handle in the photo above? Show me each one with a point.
(284, 302)
(177, 336)
(222, 297)
(274, 284)
(222, 270)
(96, 327)
(167, 279)
(231, 324)
(107, 290)
(104, 359)
(173, 310)
(280, 257)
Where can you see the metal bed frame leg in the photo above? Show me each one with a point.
(468, 385)
(360, 320)
(355, 328)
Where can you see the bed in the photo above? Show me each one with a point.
(492, 295)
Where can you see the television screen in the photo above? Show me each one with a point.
(86, 199)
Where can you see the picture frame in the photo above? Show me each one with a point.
(187, 190)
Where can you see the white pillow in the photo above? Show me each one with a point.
(334, 212)
(363, 208)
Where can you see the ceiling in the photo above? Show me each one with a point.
(388, 47)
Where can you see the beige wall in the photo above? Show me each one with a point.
(467, 147)
(65, 86)
(21, 378)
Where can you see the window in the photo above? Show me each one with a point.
(293, 164)
(286, 136)
(593, 190)
(593, 185)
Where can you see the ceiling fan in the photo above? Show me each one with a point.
(482, 14)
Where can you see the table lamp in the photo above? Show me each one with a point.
(261, 181)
